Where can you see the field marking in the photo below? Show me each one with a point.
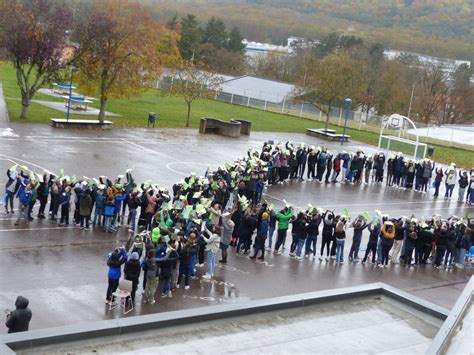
(190, 164)
(33, 229)
(14, 161)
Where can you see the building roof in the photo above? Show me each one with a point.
(258, 89)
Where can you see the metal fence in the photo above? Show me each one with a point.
(429, 134)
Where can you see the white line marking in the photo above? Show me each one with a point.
(33, 229)
(25, 161)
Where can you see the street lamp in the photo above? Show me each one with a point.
(347, 104)
(73, 70)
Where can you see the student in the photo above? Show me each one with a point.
(388, 235)
(463, 182)
(262, 233)
(43, 193)
(212, 247)
(340, 235)
(313, 232)
(185, 251)
(64, 202)
(450, 181)
(438, 179)
(99, 208)
(227, 229)
(10, 189)
(115, 261)
(85, 208)
(374, 232)
(470, 191)
(271, 228)
(25, 196)
(283, 218)
(328, 231)
(296, 223)
(400, 229)
(19, 319)
(150, 267)
(132, 272)
(359, 225)
(166, 265)
(302, 236)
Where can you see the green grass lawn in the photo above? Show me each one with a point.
(171, 113)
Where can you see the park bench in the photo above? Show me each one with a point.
(87, 124)
(233, 128)
(328, 134)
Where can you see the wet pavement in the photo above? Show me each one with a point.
(63, 270)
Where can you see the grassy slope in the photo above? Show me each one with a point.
(171, 112)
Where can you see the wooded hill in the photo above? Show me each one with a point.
(440, 28)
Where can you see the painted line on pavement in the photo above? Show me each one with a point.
(33, 229)
(14, 160)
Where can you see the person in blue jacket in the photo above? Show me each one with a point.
(25, 196)
(115, 261)
(262, 234)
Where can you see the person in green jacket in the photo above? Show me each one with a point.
(283, 217)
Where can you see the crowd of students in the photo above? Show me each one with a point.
(173, 232)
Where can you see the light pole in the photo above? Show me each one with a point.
(347, 104)
(73, 70)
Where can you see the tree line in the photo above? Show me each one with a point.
(119, 48)
(340, 66)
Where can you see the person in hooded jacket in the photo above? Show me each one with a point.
(441, 239)
(359, 225)
(115, 261)
(167, 264)
(150, 266)
(462, 182)
(328, 230)
(85, 208)
(19, 319)
(313, 232)
(132, 272)
(186, 249)
(374, 233)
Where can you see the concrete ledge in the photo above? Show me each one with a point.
(415, 302)
(445, 333)
(87, 124)
(34, 338)
(328, 134)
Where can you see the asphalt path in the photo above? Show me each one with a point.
(62, 270)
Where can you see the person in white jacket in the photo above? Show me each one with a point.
(450, 181)
(212, 247)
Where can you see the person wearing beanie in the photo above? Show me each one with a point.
(262, 234)
(19, 319)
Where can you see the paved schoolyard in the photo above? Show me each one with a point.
(62, 270)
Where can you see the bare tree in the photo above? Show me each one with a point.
(191, 83)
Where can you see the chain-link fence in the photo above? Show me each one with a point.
(451, 136)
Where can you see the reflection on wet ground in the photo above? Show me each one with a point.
(63, 270)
